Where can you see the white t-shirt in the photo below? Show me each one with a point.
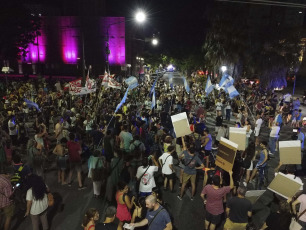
(88, 125)
(218, 106)
(147, 181)
(166, 160)
(38, 206)
(274, 131)
(12, 131)
(258, 123)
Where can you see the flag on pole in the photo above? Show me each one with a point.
(132, 82)
(153, 86)
(31, 104)
(105, 79)
(232, 91)
(186, 85)
(153, 100)
(209, 86)
(122, 101)
(113, 83)
(171, 80)
(226, 81)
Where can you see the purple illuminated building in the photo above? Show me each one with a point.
(60, 45)
(116, 33)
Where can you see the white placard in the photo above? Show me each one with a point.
(181, 124)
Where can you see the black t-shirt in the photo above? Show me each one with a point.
(278, 221)
(239, 208)
(104, 226)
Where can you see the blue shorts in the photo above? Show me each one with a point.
(144, 194)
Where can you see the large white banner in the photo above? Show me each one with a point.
(75, 87)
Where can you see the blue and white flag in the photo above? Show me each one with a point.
(153, 100)
(132, 82)
(226, 81)
(232, 91)
(122, 101)
(209, 86)
(186, 85)
(171, 80)
(31, 104)
(153, 86)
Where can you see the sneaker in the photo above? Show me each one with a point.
(81, 188)
(191, 198)
(245, 184)
(69, 184)
(179, 197)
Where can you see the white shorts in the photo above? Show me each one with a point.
(251, 166)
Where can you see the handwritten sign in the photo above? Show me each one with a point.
(226, 154)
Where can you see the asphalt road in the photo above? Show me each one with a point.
(187, 214)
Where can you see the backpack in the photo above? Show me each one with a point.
(146, 178)
(16, 178)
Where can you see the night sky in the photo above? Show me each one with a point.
(180, 23)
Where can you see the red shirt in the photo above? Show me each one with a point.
(214, 198)
(74, 150)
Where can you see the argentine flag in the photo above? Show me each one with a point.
(226, 81)
(232, 91)
(123, 100)
(31, 104)
(209, 86)
(153, 86)
(186, 85)
(153, 100)
(171, 80)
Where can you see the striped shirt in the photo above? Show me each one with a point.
(6, 191)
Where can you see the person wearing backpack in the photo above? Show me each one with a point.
(166, 163)
(145, 176)
(190, 161)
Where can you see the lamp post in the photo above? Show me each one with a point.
(140, 17)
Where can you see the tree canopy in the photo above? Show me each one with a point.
(18, 29)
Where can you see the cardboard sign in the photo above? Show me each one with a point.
(290, 152)
(226, 154)
(284, 186)
(238, 136)
(253, 195)
(181, 124)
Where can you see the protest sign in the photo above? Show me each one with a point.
(226, 154)
(181, 124)
(284, 186)
(238, 136)
(290, 152)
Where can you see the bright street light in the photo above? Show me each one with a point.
(140, 17)
(154, 41)
(223, 68)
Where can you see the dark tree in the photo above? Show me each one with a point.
(18, 28)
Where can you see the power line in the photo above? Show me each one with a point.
(267, 3)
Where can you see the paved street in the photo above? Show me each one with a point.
(187, 214)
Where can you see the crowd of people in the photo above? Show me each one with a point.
(133, 156)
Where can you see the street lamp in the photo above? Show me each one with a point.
(140, 17)
(154, 41)
(223, 68)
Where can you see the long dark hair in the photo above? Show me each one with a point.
(88, 215)
(38, 186)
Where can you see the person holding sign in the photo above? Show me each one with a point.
(212, 196)
(190, 160)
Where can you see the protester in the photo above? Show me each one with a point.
(108, 223)
(7, 206)
(212, 196)
(90, 219)
(238, 210)
(37, 202)
(157, 217)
